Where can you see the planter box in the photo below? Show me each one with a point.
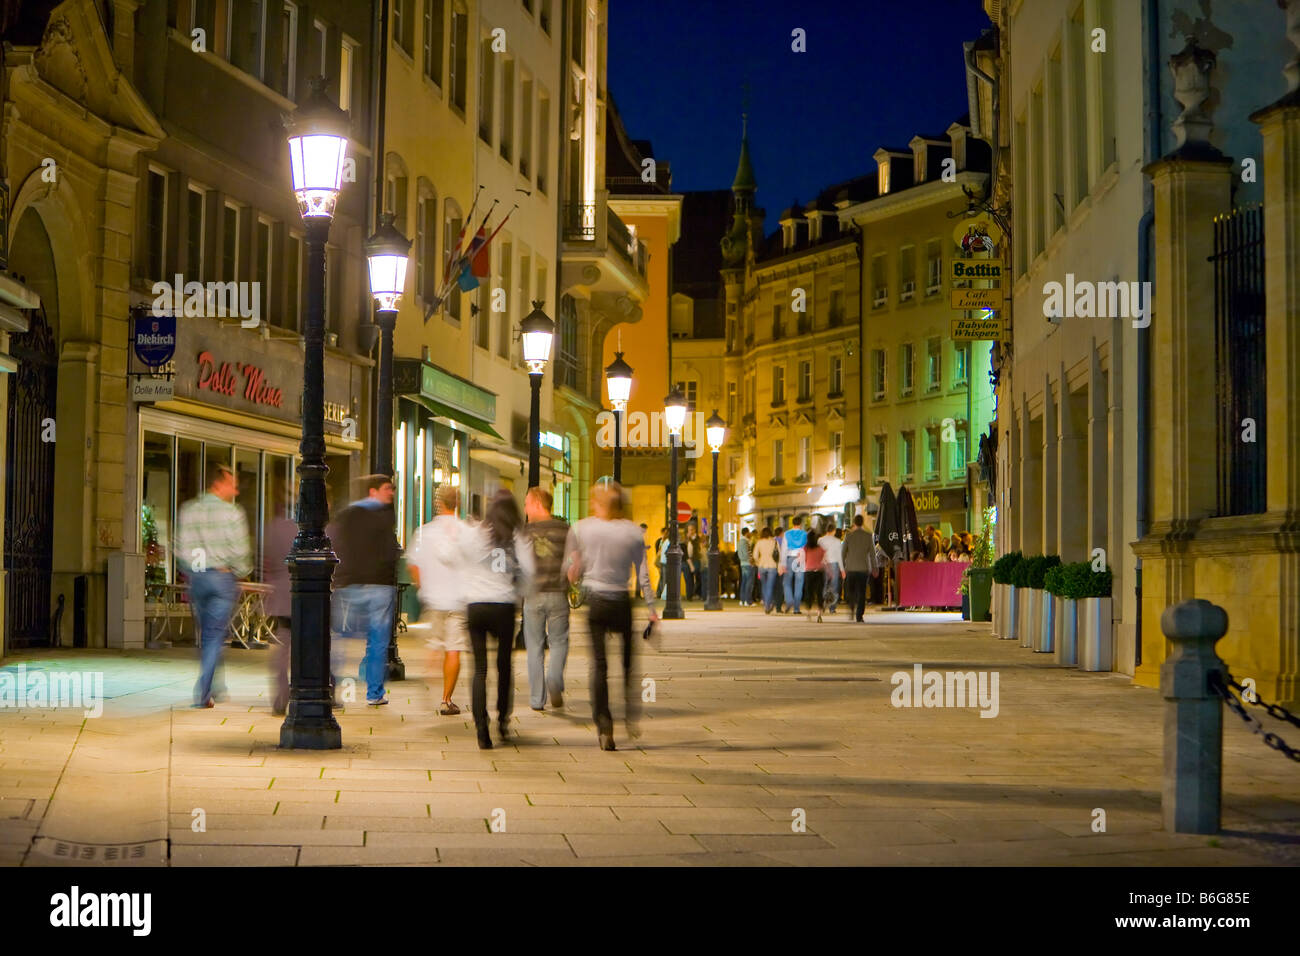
(1029, 616)
(1095, 651)
(1013, 616)
(1045, 639)
(1067, 632)
(981, 581)
(995, 605)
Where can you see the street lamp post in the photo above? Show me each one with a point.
(618, 380)
(387, 253)
(318, 139)
(716, 430)
(536, 331)
(675, 417)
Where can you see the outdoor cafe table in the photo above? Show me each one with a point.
(930, 583)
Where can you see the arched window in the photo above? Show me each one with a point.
(453, 219)
(427, 274)
(396, 178)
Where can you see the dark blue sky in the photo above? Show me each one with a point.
(876, 72)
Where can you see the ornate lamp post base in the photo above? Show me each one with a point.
(309, 723)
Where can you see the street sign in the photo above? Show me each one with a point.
(976, 299)
(684, 512)
(988, 270)
(978, 330)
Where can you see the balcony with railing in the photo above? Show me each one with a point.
(600, 254)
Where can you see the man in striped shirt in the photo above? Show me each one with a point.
(213, 548)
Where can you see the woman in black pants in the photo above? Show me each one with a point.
(497, 566)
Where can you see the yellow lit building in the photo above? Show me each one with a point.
(920, 389)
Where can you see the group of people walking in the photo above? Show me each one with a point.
(473, 580)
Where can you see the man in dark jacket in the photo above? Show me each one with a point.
(365, 579)
(859, 556)
(546, 607)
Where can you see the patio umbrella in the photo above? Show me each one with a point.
(910, 527)
(888, 527)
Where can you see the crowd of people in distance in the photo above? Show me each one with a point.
(473, 579)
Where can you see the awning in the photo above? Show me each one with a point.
(454, 417)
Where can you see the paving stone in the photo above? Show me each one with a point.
(234, 856)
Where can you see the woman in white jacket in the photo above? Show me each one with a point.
(497, 567)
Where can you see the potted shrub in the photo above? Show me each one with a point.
(1028, 604)
(1092, 589)
(1065, 617)
(1003, 568)
(977, 580)
(1045, 636)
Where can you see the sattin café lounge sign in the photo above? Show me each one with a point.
(249, 380)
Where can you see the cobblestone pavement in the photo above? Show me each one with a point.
(769, 740)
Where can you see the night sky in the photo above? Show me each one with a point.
(876, 72)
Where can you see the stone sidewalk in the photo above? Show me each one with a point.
(770, 741)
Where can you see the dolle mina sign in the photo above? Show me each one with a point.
(222, 380)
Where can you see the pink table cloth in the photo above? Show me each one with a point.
(930, 583)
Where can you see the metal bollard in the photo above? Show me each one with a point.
(1193, 769)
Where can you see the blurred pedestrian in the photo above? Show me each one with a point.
(790, 565)
(834, 564)
(661, 559)
(435, 566)
(546, 607)
(498, 569)
(765, 560)
(744, 554)
(605, 551)
(859, 556)
(690, 564)
(364, 538)
(814, 556)
(213, 547)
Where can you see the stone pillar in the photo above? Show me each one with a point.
(1098, 452)
(1193, 739)
(1071, 458)
(1031, 484)
(1051, 476)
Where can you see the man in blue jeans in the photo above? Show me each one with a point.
(546, 606)
(365, 580)
(214, 549)
(743, 552)
(790, 566)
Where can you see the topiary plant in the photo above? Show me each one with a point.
(1004, 566)
(1054, 580)
(1036, 572)
(1080, 581)
(1020, 573)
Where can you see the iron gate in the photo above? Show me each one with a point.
(29, 490)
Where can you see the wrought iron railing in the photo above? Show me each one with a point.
(579, 222)
(1240, 379)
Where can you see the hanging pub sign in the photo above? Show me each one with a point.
(980, 234)
(153, 338)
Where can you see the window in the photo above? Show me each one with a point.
(156, 223)
(837, 453)
(195, 220)
(961, 358)
(566, 360)
(805, 458)
(805, 381)
(541, 296)
(432, 40)
(426, 232)
(882, 177)
(880, 290)
(578, 32)
(289, 51)
(1055, 132)
(487, 69)
(504, 278)
(395, 185)
(877, 374)
(778, 384)
(545, 17)
(1077, 65)
(522, 295)
(525, 125)
(347, 65)
(321, 32)
(293, 281)
(931, 454)
(508, 108)
(905, 370)
(230, 228)
(543, 138)
(263, 263)
(451, 239)
(879, 447)
(933, 269)
(733, 465)
(906, 273)
(933, 365)
(778, 324)
(778, 460)
(836, 317)
(403, 27)
(959, 454)
(458, 58)
(248, 36)
(482, 319)
(689, 390)
(906, 461)
(731, 404)
(837, 376)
